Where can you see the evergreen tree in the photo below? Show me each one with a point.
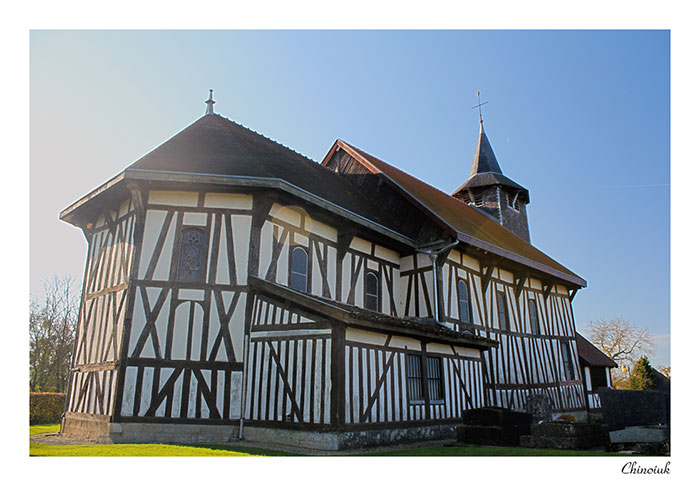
(642, 377)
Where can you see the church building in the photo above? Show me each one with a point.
(234, 288)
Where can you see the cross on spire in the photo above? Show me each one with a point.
(210, 103)
(478, 97)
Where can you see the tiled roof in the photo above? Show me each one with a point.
(461, 219)
(215, 145)
(591, 355)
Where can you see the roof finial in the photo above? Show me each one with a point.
(210, 103)
(478, 97)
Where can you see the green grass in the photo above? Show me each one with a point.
(44, 429)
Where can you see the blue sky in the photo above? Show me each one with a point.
(580, 118)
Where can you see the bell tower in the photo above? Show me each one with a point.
(490, 191)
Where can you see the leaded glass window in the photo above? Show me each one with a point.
(300, 269)
(465, 305)
(503, 321)
(566, 359)
(434, 377)
(414, 378)
(372, 291)
(192, 255)
(534, 319)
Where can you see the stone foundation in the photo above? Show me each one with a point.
(99, 430)
(357, 439)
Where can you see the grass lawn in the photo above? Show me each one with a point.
(40, 449)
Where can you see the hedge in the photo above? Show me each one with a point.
(46, 408)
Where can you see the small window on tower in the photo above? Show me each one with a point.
(513, 200)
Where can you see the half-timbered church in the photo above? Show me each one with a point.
(235, 288)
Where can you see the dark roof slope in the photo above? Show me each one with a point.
(215, 145)
(590, 355)
(459, 217)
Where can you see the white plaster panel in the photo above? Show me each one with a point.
(194, 219)
(318, 228)
(406, 263)
(302, 240)
(332, 257)
(289, 214)
(506, 276)
(124, 208)
(386, 254)
(361, 245)
(241, 239)
(372, 265)
(467, 352)
(191, 294)
(129, 391)
(228, 201)
(470, 262)
(173, 198)
(403, 342)
(152, 226)
(362, 336)
(266, 236)
(438, 348)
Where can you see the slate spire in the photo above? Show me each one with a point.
(492, 192)
(484, 159)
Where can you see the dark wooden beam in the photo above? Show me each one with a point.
(519, 286)
(486, 277)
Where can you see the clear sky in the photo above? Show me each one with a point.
(580, 118)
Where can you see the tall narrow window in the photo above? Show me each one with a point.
(534, 319)
(566, 359)
(372, 291)
(192, 255)
(300, 269)
(434, 377)
(465, 304)
(503, 321)
(414, 378)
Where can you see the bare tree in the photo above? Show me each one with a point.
(666, 371)
(623, 342)
(52, 334)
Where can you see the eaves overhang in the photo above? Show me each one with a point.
(136, 175)
(362, 318)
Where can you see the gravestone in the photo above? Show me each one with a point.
(539, 406)
(493, 426)
(628, 408)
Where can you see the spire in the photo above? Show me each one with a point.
(210, 103)
(484, 158)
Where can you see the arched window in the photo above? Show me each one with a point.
(534, 319)
(372, 291)
(192, 255)
(300, 269)
(465, 304)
